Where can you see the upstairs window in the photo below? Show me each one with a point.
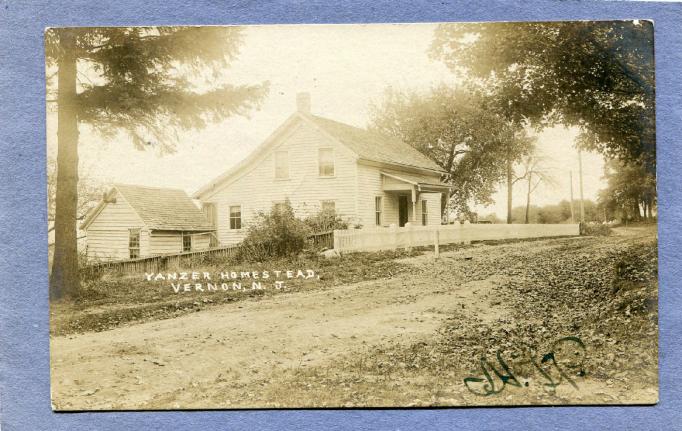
(134, 243)
(236, 217)
(328, 206)
(326, 162)
(186, 241)
(378, 209)
(281, 165)
(425, 213)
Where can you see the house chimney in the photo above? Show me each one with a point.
(303, 103)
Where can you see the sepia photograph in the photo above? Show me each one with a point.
(352, 215)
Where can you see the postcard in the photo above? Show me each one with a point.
(343, 216)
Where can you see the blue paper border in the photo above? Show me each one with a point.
(24, 354)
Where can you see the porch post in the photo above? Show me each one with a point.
(414, 205)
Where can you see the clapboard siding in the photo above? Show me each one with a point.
(166, 243)
(107, 245)
(108, 234)
(433, 205)
(390, 212)
(256, 190)
(200, 242)
(171, 242)
(368, 187)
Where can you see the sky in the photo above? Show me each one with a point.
(346, 69)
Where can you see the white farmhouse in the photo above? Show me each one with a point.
(370, 179)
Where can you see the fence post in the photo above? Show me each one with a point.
(394, 235)
(337, 241)
(410, 236)
(436, 251)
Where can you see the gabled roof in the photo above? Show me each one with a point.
(375, 146)
(159, 208)
(366, 145)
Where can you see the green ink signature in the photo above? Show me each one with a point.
(557, 358)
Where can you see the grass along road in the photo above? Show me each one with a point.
(403, 340)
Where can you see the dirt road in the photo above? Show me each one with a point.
(158, 365)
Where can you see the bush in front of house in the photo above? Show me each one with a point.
(275, 234)
(325, 221)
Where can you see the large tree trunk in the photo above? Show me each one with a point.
(530, 177)
(650, 210)
(636, 215)
(509, 189)
(64, 279)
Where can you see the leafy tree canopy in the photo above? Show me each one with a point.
(454, 127)
(595, 75)
(143, 80)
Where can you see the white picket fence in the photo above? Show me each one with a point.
(390, 238)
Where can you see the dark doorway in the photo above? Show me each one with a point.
(402, 210)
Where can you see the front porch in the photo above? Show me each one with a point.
(406, 200)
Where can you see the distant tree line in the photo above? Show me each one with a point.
(630, 193)
(554, 213)
(595, 212)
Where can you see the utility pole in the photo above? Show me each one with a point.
(510, 183)
(580, 173)
(570, 173)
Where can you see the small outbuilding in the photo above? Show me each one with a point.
(137, 221)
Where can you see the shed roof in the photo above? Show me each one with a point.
(159, 208)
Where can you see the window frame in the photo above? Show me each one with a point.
(237, 219)
(187, 235)
(286, 160)
(131, 248)
(425, 212)
(319, 162)
(378, 210)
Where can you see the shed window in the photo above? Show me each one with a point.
(425, 213)
(134, 243)
(326, 162)
(378, 209)
(281, 165)
(328, 206)
(186, 241)
(236, 217)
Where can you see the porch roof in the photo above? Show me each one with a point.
(410, 184)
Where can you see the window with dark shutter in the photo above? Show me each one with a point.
(378, 209)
